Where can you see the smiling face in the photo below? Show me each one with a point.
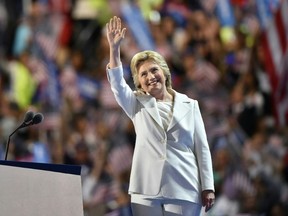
(151, 78)
(147, 61)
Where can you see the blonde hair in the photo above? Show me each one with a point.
(141, 57)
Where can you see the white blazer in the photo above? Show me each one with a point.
(175, 162)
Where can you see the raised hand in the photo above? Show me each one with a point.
(115, 32)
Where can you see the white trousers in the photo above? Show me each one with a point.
(163, 207)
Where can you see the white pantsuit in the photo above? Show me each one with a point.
(173, 163)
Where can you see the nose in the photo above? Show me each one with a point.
(151, 76)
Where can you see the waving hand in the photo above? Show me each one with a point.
(115, 33)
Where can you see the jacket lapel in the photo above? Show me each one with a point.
(149, 103)
(182, 105)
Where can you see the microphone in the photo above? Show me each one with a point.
(29, 119)
(37, 118)
(28, 116)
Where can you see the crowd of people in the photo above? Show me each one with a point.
(53, 60)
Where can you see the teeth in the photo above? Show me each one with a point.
(151, 83)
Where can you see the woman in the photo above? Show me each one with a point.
(171, 170)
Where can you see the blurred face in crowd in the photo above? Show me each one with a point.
(151, 78)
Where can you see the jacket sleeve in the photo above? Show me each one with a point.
(202, 151)
(121, 90)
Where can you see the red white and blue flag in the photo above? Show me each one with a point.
(275, 44)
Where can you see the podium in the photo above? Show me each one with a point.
(38, 189)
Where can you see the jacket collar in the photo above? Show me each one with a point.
(180, 108)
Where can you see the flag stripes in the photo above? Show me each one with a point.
(275, 43)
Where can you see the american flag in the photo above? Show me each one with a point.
(275, 44)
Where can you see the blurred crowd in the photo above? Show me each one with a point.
(53, 57)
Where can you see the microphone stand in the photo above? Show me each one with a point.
(8, 141)
(30, 119)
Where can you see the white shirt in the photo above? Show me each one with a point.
(165, 111)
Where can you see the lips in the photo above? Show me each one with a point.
(153, 82)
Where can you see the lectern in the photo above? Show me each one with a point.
(38, 189)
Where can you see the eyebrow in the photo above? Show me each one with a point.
(150, 69)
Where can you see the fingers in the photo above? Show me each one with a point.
(208, 199)
(209, 204)
(115, 32)
(114, 24)
(123, 32)
(110, 25)
(118, 22)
